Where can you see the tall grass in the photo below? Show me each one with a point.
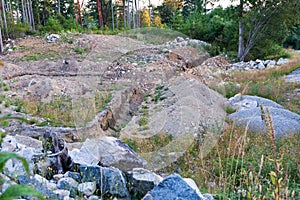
(245, 165)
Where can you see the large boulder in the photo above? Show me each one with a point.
(107, 152)
(110, 182)
(248, 113)
(188, 55)
(173, 187)
(183, 109)
(140, 181)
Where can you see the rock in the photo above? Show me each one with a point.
(240, 102)
(141, 181)
(110, 182)
(87, 188)
(68, 184)
(62, 194)
(294, 76)
(193, 185)
(188, 55)
(186, 109)
(14, 167)
(248, 114)
(40, 187)
(93, 198)
(260, 66)
(52, 38)
(172, 187)
(74, 175)
(109, 152)
(282, 61)
(270, 63)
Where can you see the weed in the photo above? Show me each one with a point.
(6, 88)
(229, 110)
(4, 123)
(81, 49)
(149, 144)
(143, 121)
(7, 103)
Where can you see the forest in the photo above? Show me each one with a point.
(252, 29)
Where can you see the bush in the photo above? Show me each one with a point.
(52, 26)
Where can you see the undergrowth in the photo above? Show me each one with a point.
(245, 165)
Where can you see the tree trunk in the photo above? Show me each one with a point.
(241, 33)
(79, 12)
(112, 15)
(4, 18)
(1, 42)
(99, 9)
(124, 13)
(128, 14)
(31, 14)
(58, 6)
(17, 11)
(241, 41)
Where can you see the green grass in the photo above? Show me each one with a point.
(149, 144)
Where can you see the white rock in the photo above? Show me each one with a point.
(87, 188)
(193, 185)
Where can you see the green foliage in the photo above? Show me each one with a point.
(53, 26)
(293, 40)
(16, 191)
(16, 29)
(150, 144)
(143, 121)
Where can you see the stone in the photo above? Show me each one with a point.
(172, 187)
(93, 198)
(52, 38)
(68, 184)
(14, 167)
(282, 61)
(74, 175)
(110, 182)
(270, 63)
(108, 152)
(87, 188)
(260, 66)
(193, 185)
(46, 192)
(62, 193)
(248, 114)
(140, 181)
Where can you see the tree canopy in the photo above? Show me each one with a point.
(252, 29)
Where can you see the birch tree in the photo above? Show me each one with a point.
(258, 17)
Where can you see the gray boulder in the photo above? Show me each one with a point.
(248, 113)
(172, 187)
(282, 61)
(40, 187)
(110, 182)
(68, 184)
(140, 181)
(87, 188)
(108, 152)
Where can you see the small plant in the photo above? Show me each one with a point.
(229, 110)
(4, 123)
(143, 121)
(6, 88)
(81, 49)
